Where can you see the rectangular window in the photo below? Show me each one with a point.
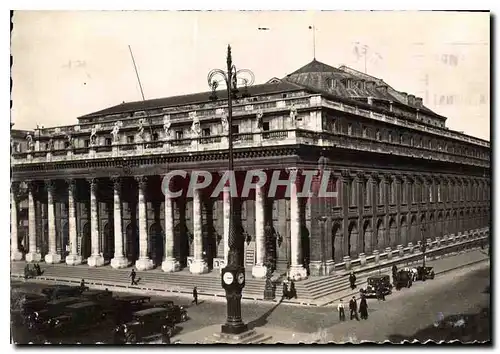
(205, 132)
(353, 193)
(404, 191)
(380, 193)
(265, 126)
(107, 141)
(179, 134)
(130, 139)
(393, 192)
(235, 129)
(86, 143)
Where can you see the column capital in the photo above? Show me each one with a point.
(50, 185)
(93, 184)
(117, 182)
(387, 177)
(408, 178)
(14, 186)
(32, 186)
(375, 175)
(360, 175)
(141, 181)
(398, 178)
(345, 173)
(71, 182)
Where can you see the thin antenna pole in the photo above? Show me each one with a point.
(142, 92)
(314, 42)
(365, 61)
(136, 73)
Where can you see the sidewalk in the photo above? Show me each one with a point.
(441, 266)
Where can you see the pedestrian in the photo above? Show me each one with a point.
(381, 293)
(82, 284)
(285, 291)
(394, 269)
(132, 275)
(293, 291)
(165, 337)
(363, 308)
(340, 308)
(352, 280)
(26, 271)
(353, 308)
(195, 296)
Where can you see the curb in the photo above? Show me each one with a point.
(436, 273)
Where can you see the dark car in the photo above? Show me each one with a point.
(24, 304)
(144, 325)
(178, 313)
(375, 282)
(98, 295)
(78, 317)
(124, 307)
(57, 291)
(425, 273)
(403, 279)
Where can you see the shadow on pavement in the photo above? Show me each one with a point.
(262, 320)
(465, 328)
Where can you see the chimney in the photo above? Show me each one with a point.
(370, 85)
(411, 100)
(405, 97)
(382, 88)
(419, 101)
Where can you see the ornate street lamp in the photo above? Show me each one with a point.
(233, 275)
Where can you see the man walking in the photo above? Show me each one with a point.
(132, 276)
(353, 307)
(195, 296)
(293, 291)
(340, 308)
(352, 280)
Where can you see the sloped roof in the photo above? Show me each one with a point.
(315, 67)
(262, 89)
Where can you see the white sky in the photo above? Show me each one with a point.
(67, 64)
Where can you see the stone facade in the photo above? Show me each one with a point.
(92, 192)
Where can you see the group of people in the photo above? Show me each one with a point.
(353, 309)
(35, 272)
(288, 294)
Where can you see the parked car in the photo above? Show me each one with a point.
(403, 279)
(178, 313)
(78, 317)
(374, 282)
(57, 291)
(124, 307)
(98, 295)
(427, 272)
(23, 304)
(145, 324)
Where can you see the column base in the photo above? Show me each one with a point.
(52, 258)
(95, 261)
(33, 257)
(119, 262)
(259, 271)
(170, 265)
(198, 266)
(73, 259)
(144, 264)
(16, 255)
(298, 272)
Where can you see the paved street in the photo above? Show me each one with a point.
(403, 314)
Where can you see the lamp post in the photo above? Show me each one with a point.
(424, 248)
(233, 275)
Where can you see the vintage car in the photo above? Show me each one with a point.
(123, 307)
(178, 313)
(403, 279)
(144, 325)
(98, 295)
(23, 304)
(79, 316)
(56, 291)
(374, 282)
(425, 273)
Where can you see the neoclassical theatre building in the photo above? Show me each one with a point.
(92, 192)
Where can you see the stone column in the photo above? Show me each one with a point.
(144, 262)
(259, 270)
(33, 255)
(119, 260)
(226, 215)
(198, 266)
(297, 270)
(170, 264)
(73, 258)
(95, 259)
(52, 256)
(15, 254)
